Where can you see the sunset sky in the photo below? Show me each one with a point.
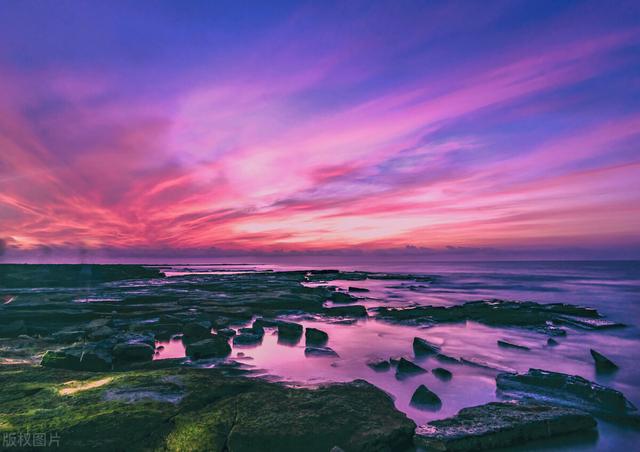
(302, 126)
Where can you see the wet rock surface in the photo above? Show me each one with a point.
(193, 409)
(501, 313)
(570, 390)
(406, 368)
(498, 424)
(424, 398)
(214, 347)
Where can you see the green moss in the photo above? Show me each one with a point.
(216, 413)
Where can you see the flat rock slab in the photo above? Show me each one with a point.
(569, 390)
(500, 424)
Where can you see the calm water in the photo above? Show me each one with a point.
(611, 287)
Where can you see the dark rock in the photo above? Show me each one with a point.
(103, 332)
(569, 390)
(603, 364)
(319, 351)
(346, 311)
(551, 342)
(379, 365)
(501, 313)
(341, 297)
(317, 420)
(70, 275)
(447, 359)
(485, 364)
(314, 336)
(500, 424)
(421, 347)
(505, 344)
(289, 330)
(133, 351)
(357, 289)
(87, 357)
(442, 374)
(424, 398)
(68, 335)
(226, 332)
(247, 339)
(215, 347)
(406, 368)
(197, 330)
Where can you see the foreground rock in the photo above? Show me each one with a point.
(314, 336)
(215, 347)
(320, 351)
(499, 425)
(406, 368)
(199, 409)
(442, 374)
(379, 365)
(569, 390)
(83, 357)
(421, 347)
(506, 344)
(424, 398)
(137, 351)
(289, 331)
(603, 364)
(503, 313)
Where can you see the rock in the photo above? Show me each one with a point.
(320, 419)
(540, 317)
(603, 364)
(133, 352)
(341, 297)
(379, 365)
(442, 374)
(447, 359)
(357, 289)
(319, 351)
(197, 330)
(215, 347)
(226, 332)
(569, 390)
(500, 424)
(68, 335)
(99, 323)
(476, 362)
(551, 342)
(103, 332)
(87, 357)
(314, 336)
(421, 347)
(247, 339)
(505, 344)
(356, 310)
(406, 368)
(424, 398)
(289, 331)
(254, 330)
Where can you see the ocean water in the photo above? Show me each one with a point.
(613, 288)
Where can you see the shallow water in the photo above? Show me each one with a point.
(611, 287)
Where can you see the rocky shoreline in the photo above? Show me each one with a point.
(77, 357)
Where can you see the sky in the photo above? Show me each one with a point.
(192, 127)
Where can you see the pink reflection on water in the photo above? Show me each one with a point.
(370, 339)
